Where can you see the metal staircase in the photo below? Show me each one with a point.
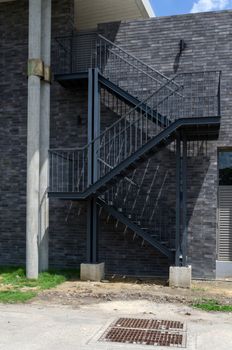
(135, 202)
(151, 111)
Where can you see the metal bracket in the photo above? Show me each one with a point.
(35, 67)
(47, 74)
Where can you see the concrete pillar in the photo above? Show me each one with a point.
(44, 136)
(33, 142)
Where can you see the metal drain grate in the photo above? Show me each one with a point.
(149, 324)
(146, 332)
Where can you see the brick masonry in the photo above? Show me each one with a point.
(156, 42)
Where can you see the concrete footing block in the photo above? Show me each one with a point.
(92, 272)
(180, 277)
(223, 270)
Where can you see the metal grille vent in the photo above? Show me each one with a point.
(147, 332)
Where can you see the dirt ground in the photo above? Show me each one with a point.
(79, 293)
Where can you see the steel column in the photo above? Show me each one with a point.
(92, 231)
(93, 172)
(96, 124)
(184, 204)
(178, 198)
(90, 124)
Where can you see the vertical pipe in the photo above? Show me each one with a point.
(33, 143)
(44, 137)
(178, 194)
(184, 203)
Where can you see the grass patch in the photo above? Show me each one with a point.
(22, 289)
(198, 289)
(212, 305)
(13, 297)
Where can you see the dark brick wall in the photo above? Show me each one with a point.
(13, 121)
(13, 131)
(207, 35)
(156, 42)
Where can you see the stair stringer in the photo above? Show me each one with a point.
(146, 236)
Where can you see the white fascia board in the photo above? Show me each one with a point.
(148, 8)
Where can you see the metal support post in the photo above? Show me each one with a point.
(93, 170)
(184, 203)
(178, 198)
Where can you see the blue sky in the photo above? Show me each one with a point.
(174, 7)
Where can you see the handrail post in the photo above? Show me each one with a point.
(71, 55)
(219, 94)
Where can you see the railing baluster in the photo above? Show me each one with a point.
(186, 95)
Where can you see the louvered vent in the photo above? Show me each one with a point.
(225, 223)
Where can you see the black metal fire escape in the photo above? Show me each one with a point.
(152, 111)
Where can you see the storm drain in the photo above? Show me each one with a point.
(147, 332)
(149, 324)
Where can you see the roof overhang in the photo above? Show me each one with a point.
(89, 13)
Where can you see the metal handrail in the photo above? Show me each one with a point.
(140, 70)
(57, 39)
(199, 93)
(134, 109)
(134, 57)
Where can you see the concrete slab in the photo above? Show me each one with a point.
(180, 277)
(36, 327)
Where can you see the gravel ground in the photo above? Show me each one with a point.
(78, 293)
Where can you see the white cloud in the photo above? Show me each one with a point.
(209, 5)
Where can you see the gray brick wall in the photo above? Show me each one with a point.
(156, 42)
(207, 35)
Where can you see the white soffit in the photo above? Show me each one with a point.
(89, 13)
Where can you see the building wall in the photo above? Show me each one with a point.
(13, 121)
(13, 131)
(156, 42)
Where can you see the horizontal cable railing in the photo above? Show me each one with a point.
(196, 95)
